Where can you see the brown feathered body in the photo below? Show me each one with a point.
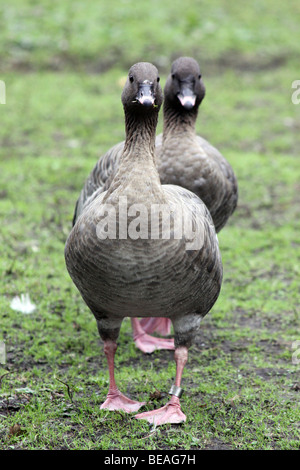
(146, 277)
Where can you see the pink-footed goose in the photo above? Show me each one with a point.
(177, 277)
(184, 159)
(188, 160)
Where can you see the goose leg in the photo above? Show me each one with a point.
(171, 412)
(115, 399)
(147, 343)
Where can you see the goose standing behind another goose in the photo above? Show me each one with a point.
(188, 160)
(150, 277)
(184, 159)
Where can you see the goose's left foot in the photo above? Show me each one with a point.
(170, 413)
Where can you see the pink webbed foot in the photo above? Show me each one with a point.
(146, 343)
(170, 413)
(160, 325)
(117, 401)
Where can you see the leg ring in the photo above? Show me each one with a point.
(177, 391)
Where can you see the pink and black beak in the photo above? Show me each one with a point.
(145, 95)
(186, 96)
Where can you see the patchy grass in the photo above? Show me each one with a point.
(242, 379)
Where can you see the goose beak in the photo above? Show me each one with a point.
(145, 95)
(187, 98)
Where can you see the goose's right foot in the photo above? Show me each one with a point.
(146, 343)
(117, 401)
(160, 325)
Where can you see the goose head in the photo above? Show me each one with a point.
(142, 91)
(184, 88)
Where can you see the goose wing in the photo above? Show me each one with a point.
(100, 177)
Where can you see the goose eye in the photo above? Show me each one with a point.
(131, 78)
(199, 76)
(158, 78)
(173, 75)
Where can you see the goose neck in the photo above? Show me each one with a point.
(140, 136)
(178, 121)
(137, 176)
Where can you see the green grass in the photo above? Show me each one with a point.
(58, 34)
(63, 67)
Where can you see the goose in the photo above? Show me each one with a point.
(183, 158)
(187, 159)
(122, 267)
